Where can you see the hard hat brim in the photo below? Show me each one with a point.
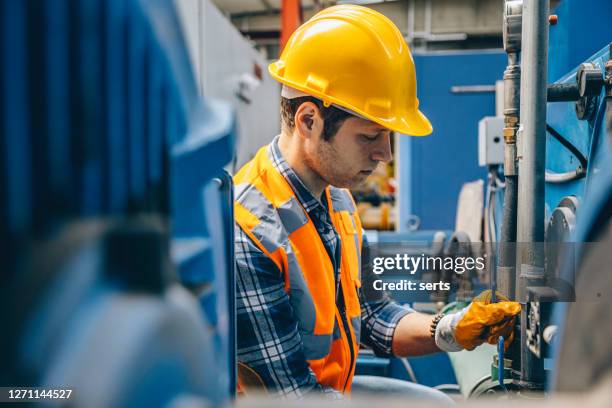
(409, 123)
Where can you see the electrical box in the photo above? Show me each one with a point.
(490, 141)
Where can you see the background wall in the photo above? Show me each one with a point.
(432, 169)
(229, 68)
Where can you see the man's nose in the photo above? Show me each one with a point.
(382, 150)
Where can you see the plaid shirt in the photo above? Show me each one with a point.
(268, 338)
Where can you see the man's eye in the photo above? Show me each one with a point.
(370, 138)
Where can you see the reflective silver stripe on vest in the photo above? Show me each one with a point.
(269, 231)
(356, 323)
(239, 190)
(273, 232)
(340, 200)
(292, 215)
(316, 346)
(299, 295)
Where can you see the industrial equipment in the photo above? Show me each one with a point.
(555, 153)
(114, 204)
(546, 215)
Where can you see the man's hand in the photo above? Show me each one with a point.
(479, 322)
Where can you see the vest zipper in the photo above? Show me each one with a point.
(349, 336)
(341, 303)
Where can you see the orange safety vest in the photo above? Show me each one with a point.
(268, 211)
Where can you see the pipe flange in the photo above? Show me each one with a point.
(513, 25)
(586, 107)
(559, 231)
(608, 82)
(563, 220)
(590, 80)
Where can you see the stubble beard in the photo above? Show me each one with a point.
(326, 156)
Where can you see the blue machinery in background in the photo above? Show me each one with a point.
(112, 190)
(578, 205)
(575, 202)
(432, 170)
(586, 133)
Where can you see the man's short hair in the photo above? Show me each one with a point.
(332, 116)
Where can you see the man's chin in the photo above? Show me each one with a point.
(350, 184)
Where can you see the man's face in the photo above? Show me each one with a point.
(352, 154)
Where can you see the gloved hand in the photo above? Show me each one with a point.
(479, 322)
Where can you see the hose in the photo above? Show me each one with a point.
(576, 174)
(568, 145)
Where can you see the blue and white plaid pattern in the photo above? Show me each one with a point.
(268, 338)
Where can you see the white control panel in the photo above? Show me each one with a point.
(490, 141)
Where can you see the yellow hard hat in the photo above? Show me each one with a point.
(356, 58)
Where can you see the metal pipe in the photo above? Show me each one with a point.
(531, 160)
(506, 270)
(506, 267)
(512, 87)
(563, 93)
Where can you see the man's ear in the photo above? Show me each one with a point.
(308, 120)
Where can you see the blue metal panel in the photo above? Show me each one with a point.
(154, 125)
(589, 136)
(57, 83)
(594, 213)
(114, 82)
(227, 217)
(432, 169)
(101, 116)
(199, 218)
(137, 54)
(88, 135)
(584, 27)
(200, 225)
(15, 104)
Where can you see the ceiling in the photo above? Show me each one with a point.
(234, 7)
(238, 8)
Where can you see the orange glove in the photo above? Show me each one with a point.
(479, 322)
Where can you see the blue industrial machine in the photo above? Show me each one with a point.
(547, 214)
(115, 210)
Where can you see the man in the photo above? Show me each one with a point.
(348, 83)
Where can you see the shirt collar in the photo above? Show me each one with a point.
(306, 198)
